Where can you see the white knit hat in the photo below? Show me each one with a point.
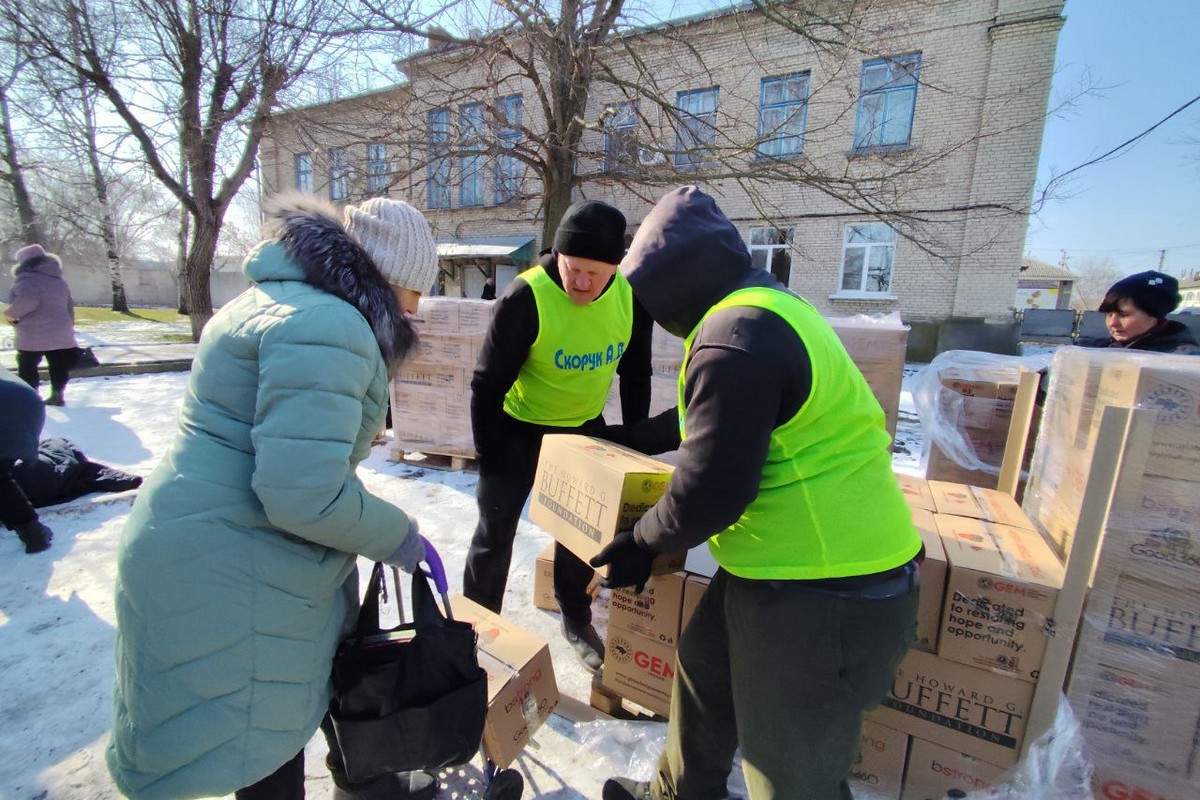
(398, 239)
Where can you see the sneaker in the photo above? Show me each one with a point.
(415, 785)
(625, 789)
(586, 642)
(507, 784)
(35, 536)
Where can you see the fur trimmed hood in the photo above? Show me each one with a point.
(334, 262)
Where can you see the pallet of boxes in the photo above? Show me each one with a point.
(431, 394)
(963, 693)
(1116, 483)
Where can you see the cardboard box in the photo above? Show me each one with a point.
(933, 581)
(916, 492)
(586, 490)
(654, 613)
(933, 771)
(521, 688)
(1001, 590)
(474, 316)
(979, 502)
(693, 589)
(1137, 719)
(1173, 390)
(878, 770)
(1113, 782)
(972, 711)
(1143, 622)
(448, 378)
(438, 314)
(639, 669)
(543, 580)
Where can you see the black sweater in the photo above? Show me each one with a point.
(513, 330)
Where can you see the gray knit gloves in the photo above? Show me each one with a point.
(411, 552)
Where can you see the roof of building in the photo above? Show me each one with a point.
(1032, 268)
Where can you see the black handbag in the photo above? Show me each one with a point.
(411, 697)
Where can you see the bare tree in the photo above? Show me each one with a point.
(604, 78)
(13, 62)
(192, 78)
(1093, 276)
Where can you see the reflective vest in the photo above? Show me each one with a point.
(828, 504)
(565, 380)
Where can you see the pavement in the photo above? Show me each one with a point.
(125, 359)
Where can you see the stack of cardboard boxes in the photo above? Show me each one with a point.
(962, 694)
(973, 407)
(431, 395)
(1134, 682)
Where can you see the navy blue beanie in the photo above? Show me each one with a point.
(1155, 293)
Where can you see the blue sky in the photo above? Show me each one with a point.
(1140, 56)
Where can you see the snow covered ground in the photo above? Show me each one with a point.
(57, 617)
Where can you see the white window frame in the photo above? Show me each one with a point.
(303, 167)
(440, 129)
(339, 174)
(620, 137)
(781, 122)
(472, 189)
(696, 137)
(881, 245)
(781, 239)
(377, 169)
(510, 171)
(887, 92)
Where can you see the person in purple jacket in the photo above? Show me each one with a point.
(43, 314)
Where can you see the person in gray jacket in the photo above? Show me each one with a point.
(236, 570)
(43, 314)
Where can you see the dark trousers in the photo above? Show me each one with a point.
(785, 672)
(58, 362)
(505, 480)
(287, 782)
(15, 508)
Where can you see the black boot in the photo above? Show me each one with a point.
(507, 784)
(625, 789)
(56, 398)
(35, 535)
(586, 642)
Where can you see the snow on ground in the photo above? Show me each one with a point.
(57, 617)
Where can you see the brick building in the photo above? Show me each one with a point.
(931, 122)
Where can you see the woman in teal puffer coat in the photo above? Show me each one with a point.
(236, 569)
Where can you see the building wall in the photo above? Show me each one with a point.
(144, 288)
(968, 173)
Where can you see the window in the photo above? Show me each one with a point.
(887, 99)
(377, 169)
(303, 166)
(771, 249)
(620, 137)
(509, 169)
(869, 249)
(470, 133)
(782, 107)
(339, 174)
(697, 133)
(439, 162)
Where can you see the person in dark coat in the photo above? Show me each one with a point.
(20, 426)
(572, 303)
(785, 471)
(489, 289)
(43, 313)
(1136, 310)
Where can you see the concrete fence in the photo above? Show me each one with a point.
(144, 287)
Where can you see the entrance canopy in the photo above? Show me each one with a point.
(498, 249)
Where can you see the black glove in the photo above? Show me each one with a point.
(628, 562)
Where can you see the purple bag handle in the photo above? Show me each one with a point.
(437, 571)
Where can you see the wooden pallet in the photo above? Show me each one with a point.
(448, 462)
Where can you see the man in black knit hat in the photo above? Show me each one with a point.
(538, 373)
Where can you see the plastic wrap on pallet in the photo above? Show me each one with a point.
(1082, 382)
(964, 400)
(1135, 675)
